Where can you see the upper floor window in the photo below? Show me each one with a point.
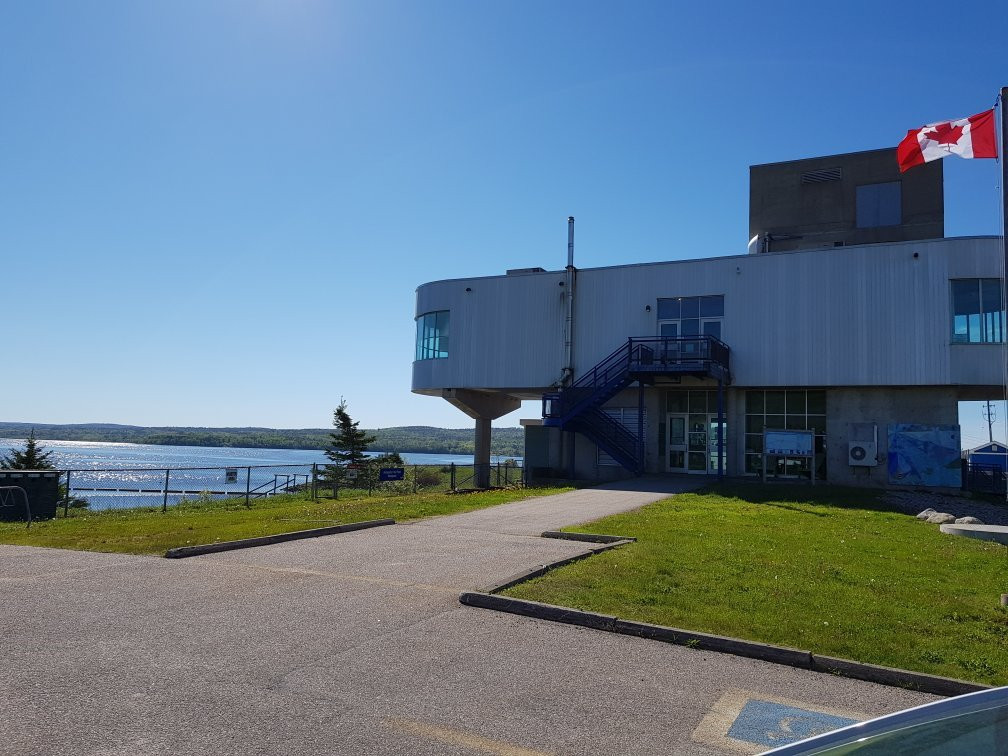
(691, 316)
(879, 205)
(978, 315)
(432, 336)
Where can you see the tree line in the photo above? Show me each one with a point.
(411, 438)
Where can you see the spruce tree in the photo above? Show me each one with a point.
(347, 447)
(34, 457)
(348, 442)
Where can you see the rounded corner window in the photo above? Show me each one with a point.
(432, 336)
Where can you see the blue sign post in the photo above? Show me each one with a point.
(392, 473)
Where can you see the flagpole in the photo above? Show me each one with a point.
(1004, 243)
(1004, 182)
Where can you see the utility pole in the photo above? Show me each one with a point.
(990, 415)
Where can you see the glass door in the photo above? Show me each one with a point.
(675, 443)
(696, 444)
(713, 445)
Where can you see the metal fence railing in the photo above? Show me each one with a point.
(132, 488)
(983, 478)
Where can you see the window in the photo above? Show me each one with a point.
(785, 409)
(691, 316)
(432, 336)
(978, 315)
(879, 205)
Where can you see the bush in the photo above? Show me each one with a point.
(425, 476)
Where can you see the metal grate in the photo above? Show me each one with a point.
(821, 176)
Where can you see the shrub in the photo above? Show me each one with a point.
(425, 476)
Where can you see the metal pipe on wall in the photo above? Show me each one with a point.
(569, 283)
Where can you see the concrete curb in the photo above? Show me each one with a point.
(897, 678)
(182, 552)
(542, 569)
(587, 537)
(792, 657)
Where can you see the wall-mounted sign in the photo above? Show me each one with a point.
(231, 475)
(788, 443)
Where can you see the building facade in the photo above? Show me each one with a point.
(681, 366)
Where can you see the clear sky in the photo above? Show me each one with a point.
(216, 213)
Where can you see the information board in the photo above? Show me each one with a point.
(788, 443)
(392, 473)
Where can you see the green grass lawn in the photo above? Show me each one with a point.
(831, 570)
(151, 531)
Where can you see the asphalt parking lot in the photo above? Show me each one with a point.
(356, 643)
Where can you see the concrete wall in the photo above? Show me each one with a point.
(823, 213)
(882, 406)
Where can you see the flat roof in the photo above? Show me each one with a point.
(823, 157)
(745, 256)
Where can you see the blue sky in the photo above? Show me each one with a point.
(216, 213)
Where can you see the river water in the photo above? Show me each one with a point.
(94, 455)
(118, 475)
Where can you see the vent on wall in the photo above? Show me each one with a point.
(818, 177)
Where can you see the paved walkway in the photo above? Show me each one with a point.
(356, 643)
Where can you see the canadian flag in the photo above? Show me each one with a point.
(971, 137)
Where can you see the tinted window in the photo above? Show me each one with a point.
(879, 205)
(977, 311)
(432, 336)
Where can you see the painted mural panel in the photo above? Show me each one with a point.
(924, 455)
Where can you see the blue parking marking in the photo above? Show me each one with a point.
(771, 724)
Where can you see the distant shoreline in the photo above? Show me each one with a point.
(418, 439)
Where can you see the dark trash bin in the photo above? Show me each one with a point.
(42, 488)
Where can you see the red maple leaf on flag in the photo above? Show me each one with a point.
(945, 133)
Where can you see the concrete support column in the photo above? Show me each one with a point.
(481, 473)
(482, 406)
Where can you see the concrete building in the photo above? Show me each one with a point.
(839, 200)
(682, 366)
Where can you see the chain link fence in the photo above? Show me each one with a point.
(134, 488)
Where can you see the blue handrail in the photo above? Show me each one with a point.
(578, 405)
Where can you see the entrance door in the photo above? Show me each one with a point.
(675, 443)
(713, 446)
(691, 444)
(696, 444)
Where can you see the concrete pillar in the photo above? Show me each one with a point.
(482, 406)
(481, 473)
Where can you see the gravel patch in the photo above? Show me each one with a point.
(914, 502)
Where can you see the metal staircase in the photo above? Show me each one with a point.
(578, 407)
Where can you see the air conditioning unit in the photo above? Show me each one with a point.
(862, 453)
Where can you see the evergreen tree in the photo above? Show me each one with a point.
(347, 446)
(349, 442)
(34, 457)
